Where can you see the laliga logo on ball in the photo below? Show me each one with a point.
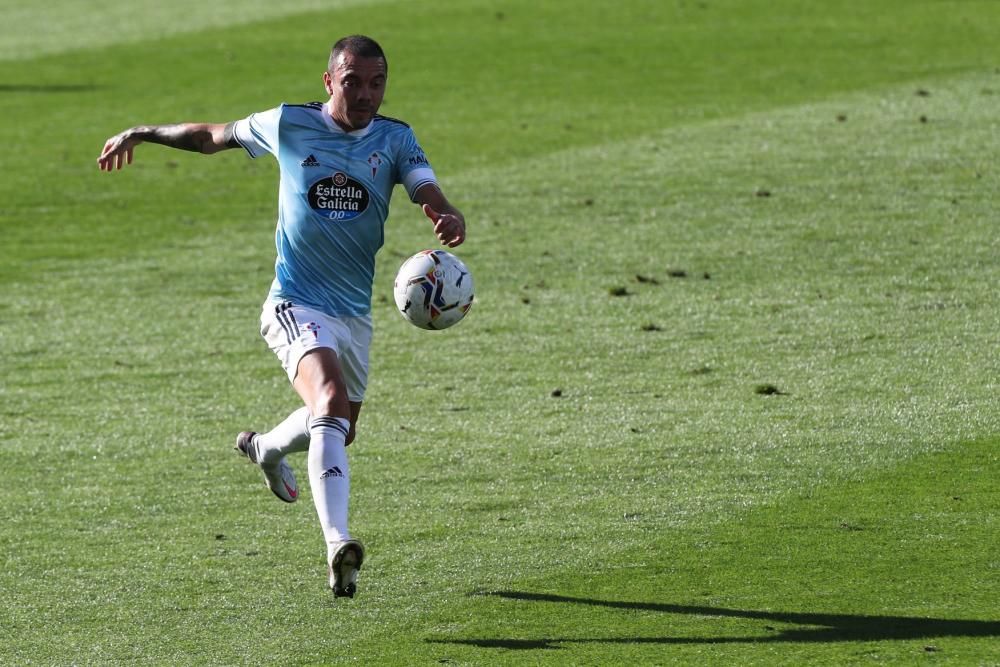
(433, 289)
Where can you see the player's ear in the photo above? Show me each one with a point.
(328, 82)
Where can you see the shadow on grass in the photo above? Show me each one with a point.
(823, 627)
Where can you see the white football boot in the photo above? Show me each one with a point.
(278, 477)
(345, 561)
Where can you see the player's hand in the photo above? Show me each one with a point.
(449, 228)
(117, 151)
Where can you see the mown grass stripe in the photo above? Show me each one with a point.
(30, 29)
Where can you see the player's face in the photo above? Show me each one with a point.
(356, 86)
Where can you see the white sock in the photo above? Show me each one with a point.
(329, 477)
(291, 435)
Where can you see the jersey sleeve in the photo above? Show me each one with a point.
(258, 132)
(413, 170)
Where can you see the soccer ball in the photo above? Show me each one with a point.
(433, 289)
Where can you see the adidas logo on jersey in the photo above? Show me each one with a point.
(310, 161)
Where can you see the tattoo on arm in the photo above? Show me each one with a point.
(185, 136)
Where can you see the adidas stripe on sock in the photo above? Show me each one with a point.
(329, 475)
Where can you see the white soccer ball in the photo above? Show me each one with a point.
(433, 289)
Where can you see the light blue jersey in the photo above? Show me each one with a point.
(333, 200)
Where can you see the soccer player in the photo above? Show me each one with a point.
(339, 162)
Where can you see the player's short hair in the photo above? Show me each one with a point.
(357, 45)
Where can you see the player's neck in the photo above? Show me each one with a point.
(343, 123)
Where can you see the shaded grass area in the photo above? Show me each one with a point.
(882, 570)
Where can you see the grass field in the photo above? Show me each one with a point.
(728, 395)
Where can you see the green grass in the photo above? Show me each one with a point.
(738, 195)
(31, 29)
(887, 569)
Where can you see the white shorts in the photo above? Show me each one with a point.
(291, 331)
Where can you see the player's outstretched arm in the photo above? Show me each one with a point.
(199, 137)
(449, 223)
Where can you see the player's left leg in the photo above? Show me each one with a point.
(320, 383)
(326, 359)
(355, 413)
(354, 363)
(344, 377)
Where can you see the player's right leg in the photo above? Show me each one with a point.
(278, 475)
(288, 437)
(281, 330)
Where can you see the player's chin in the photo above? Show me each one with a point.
(361, 119)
